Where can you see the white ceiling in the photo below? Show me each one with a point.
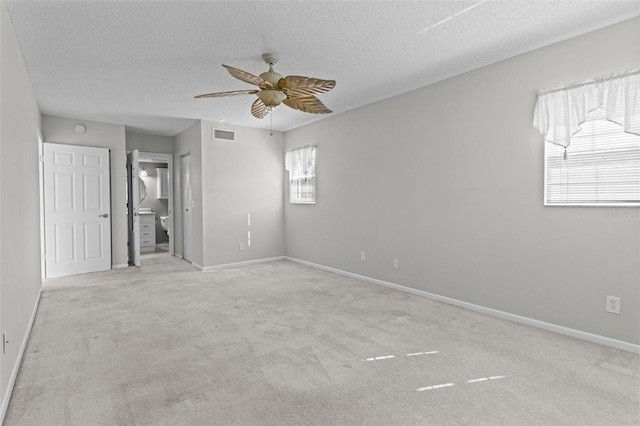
(140, 63)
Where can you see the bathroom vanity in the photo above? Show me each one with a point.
(147, 231)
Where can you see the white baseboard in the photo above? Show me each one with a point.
(237, 264)
(566, 331)
(179, 256)
(16, 367)
(120, 266)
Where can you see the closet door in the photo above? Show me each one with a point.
(77, 209)
(187, 208)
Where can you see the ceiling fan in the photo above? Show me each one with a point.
(294, 91)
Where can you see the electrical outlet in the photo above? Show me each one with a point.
(363, 256)
(396, 263)
(613, 305)
(240, 246)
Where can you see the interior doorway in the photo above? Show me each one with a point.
(154, 205)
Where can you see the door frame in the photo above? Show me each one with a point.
(157, 157)
(43, 246)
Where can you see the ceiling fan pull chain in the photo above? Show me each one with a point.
(271, 130)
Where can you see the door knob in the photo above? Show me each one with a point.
(103, 215)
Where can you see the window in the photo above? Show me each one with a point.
(301, 164)
(602, 166)
(593, 132)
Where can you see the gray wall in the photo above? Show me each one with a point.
(449, 179)
(149, 143)
(231, 180)
(240, 178)
(20, 281)
(104, 135)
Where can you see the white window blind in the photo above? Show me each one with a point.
(301, 164)
(602, 166)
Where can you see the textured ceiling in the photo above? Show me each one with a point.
(140, 63)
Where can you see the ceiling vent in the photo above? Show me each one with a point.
(224, 135)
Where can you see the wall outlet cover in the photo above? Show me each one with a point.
(613, 305)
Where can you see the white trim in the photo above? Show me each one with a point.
(237, 264)
(16, 367)
(43, 246)
(179, 256)
(566, 331)
(120, 266)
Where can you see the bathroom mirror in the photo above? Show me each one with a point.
(143, 189)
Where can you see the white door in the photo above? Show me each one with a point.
(187, 207)
(77, 208)
(133, 206)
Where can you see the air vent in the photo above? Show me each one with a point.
(224, 135)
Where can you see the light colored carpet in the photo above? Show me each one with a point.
(284, 344)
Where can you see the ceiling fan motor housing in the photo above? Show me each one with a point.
(270, 58)
(271, 76)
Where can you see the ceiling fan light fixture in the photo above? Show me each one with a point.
(271, 98)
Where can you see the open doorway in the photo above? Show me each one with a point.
(153, 206)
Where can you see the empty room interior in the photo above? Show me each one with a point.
(320, 213)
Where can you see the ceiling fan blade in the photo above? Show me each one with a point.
(296, 85)
(259, 109)
(309, 104)
(226, 94)
(248, 77)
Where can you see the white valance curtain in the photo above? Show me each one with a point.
(301, 162)
(560, 112)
